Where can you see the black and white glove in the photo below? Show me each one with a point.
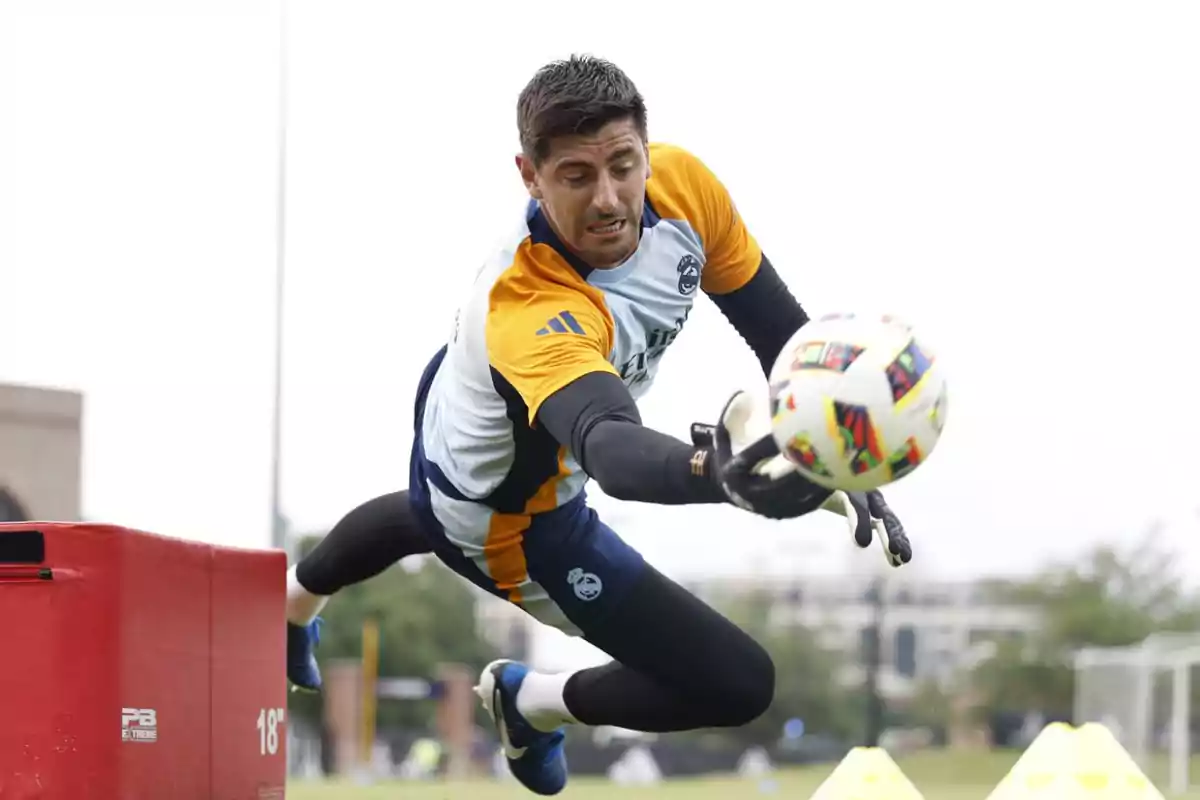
(757, 478)
(869, 517)
(746, 471)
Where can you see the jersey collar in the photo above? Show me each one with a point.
(541, 232)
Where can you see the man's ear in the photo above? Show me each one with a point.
(529, 176)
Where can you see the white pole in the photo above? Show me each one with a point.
(1145, 698)
(279, 537)
(1181, 695)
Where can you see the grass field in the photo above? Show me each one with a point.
(938, 776)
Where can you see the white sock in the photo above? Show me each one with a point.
(302, 605)
(540, 700)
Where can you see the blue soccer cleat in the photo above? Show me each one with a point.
(302, 669)
(535, 758)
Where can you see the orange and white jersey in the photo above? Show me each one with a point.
(538, 318)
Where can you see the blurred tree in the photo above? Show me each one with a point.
(1108, 598)
(930, 706)
(426, 616)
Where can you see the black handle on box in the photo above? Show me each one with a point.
(22, 547)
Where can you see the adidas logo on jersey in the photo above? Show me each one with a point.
(565, 322)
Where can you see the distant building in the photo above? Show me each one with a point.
(40, 454)
(931, 629)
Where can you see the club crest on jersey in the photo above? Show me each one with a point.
(689, 274)
(587, 585)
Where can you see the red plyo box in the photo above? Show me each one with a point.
(134, 667)
(248, 649)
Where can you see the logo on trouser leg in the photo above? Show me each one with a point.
(587, 585)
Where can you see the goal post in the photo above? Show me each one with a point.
(1143, 694)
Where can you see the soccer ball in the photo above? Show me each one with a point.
(856, 402)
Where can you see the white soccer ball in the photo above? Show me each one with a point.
(857, 402)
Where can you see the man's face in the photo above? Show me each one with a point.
(592, 189)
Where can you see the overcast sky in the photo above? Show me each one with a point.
(1020, 179)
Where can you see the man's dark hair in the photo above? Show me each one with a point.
(578, 96)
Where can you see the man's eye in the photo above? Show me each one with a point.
(575, 180)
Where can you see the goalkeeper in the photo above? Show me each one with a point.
(536, 392)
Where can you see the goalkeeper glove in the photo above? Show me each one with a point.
(757, 478)
(741, 467)
(869, 517)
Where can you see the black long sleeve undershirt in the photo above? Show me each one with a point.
(764, 312)
(599, 419)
